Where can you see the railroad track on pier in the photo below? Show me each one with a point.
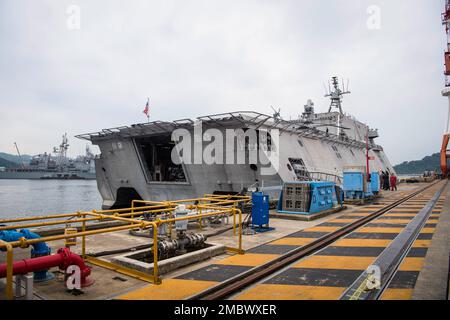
(241, 282)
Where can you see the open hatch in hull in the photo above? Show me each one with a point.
(155, 153)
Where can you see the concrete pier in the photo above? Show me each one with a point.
(433, 281)
(424, 272)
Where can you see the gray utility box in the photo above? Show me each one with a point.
(296, 197)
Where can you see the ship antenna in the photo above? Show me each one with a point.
(276, 114)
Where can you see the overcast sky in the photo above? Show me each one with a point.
(195, 58)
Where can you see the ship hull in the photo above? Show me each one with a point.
(37, 175)
(126, 168)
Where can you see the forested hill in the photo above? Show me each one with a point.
(429, 163)
(12, 161)
(7, 164)
(15, 158)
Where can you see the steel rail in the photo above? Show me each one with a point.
(393, 255)
(243, 280)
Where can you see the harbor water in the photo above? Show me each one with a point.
(22, 198)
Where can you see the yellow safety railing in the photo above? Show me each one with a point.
(9, 269)
(223, 205)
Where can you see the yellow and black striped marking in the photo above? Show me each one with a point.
(329, 272)
(324, 275)
(402, 285)
(231, 266)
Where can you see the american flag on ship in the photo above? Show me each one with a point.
(147, 107)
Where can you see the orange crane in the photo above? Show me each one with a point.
(446, 92)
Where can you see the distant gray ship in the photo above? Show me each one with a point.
(54, 166)
(138, 161)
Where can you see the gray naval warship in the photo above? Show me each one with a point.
(54, 165)
(145, 161)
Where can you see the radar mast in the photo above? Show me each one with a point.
(336, 95)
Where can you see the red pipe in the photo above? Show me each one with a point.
(62, 259)
(367, 156)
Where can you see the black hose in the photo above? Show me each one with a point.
(109, 252)
(140, 234)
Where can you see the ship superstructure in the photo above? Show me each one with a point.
(144, 161)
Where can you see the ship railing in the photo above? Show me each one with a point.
(300, 128)
(322, 176)
(319, 171)
(244, 118)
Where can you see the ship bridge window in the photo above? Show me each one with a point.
(155, 153)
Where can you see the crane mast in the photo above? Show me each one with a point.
(20, 156)
(446, 92)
